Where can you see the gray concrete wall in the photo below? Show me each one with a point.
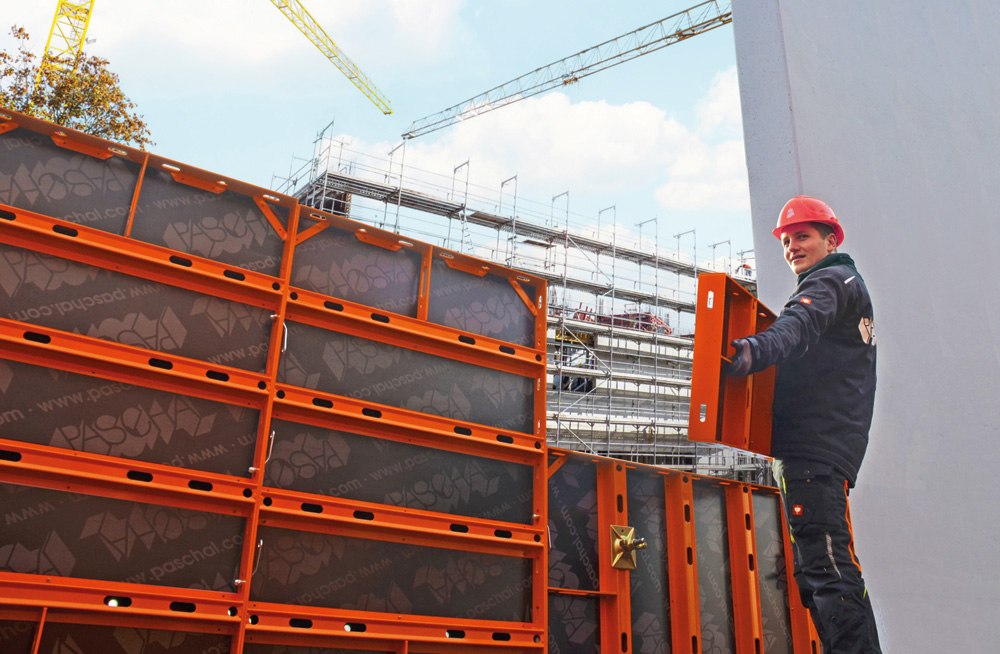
(890, 111)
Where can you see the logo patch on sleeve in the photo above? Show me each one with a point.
(806, 300)
(867, 329)
(797, 510)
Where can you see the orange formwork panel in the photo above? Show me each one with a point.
(710, 578)
(733, 411)
(226, 429)
(743, 557)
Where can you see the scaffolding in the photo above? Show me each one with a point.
(620, 307)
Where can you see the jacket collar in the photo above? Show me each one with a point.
(833, 259)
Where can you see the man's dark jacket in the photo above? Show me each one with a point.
(824, 346)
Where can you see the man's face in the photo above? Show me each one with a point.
(804, 247)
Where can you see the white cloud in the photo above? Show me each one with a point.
(707, 178)
(555, 145)
(596, 149)
(719, 110)
(235, 36)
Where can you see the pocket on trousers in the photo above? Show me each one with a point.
(810, 503)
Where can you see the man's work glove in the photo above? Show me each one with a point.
(739, 365)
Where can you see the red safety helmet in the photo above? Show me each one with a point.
(805, 209)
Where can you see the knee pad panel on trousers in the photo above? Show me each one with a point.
(815, 503)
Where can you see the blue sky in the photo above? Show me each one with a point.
(233, 87)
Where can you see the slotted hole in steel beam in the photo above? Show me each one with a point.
(7, 455)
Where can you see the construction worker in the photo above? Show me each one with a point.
(824, 346)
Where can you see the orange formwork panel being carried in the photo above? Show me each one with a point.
(733, 411)
(233, 423)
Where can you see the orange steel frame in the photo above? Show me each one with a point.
(50, 598)
(733, 411)
(43, 599)
(682, 556)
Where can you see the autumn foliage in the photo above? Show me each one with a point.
(82, 95)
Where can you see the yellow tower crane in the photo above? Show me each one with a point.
(295, 12)
(67, 36)
(69, 31)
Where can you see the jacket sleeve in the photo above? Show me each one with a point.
(808, 314)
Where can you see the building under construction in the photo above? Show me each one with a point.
(620, 308)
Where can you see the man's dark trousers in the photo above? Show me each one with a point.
(814, 497)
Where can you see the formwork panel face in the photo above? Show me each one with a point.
(649, 590)
(224, 226)
(49, 532)
(714, 578)
(38, 175)
(330, 571)
(574, 627)
(772, 574)
(63, 294)
(337, 463)
(261, 648)
(86, 413)
(17, 636)
(336, 263)
(110, 639)
(487, 305)
(396, 376)
(573, 527)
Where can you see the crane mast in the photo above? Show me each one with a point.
(67, 36)
(295, 12)
(655, 36)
